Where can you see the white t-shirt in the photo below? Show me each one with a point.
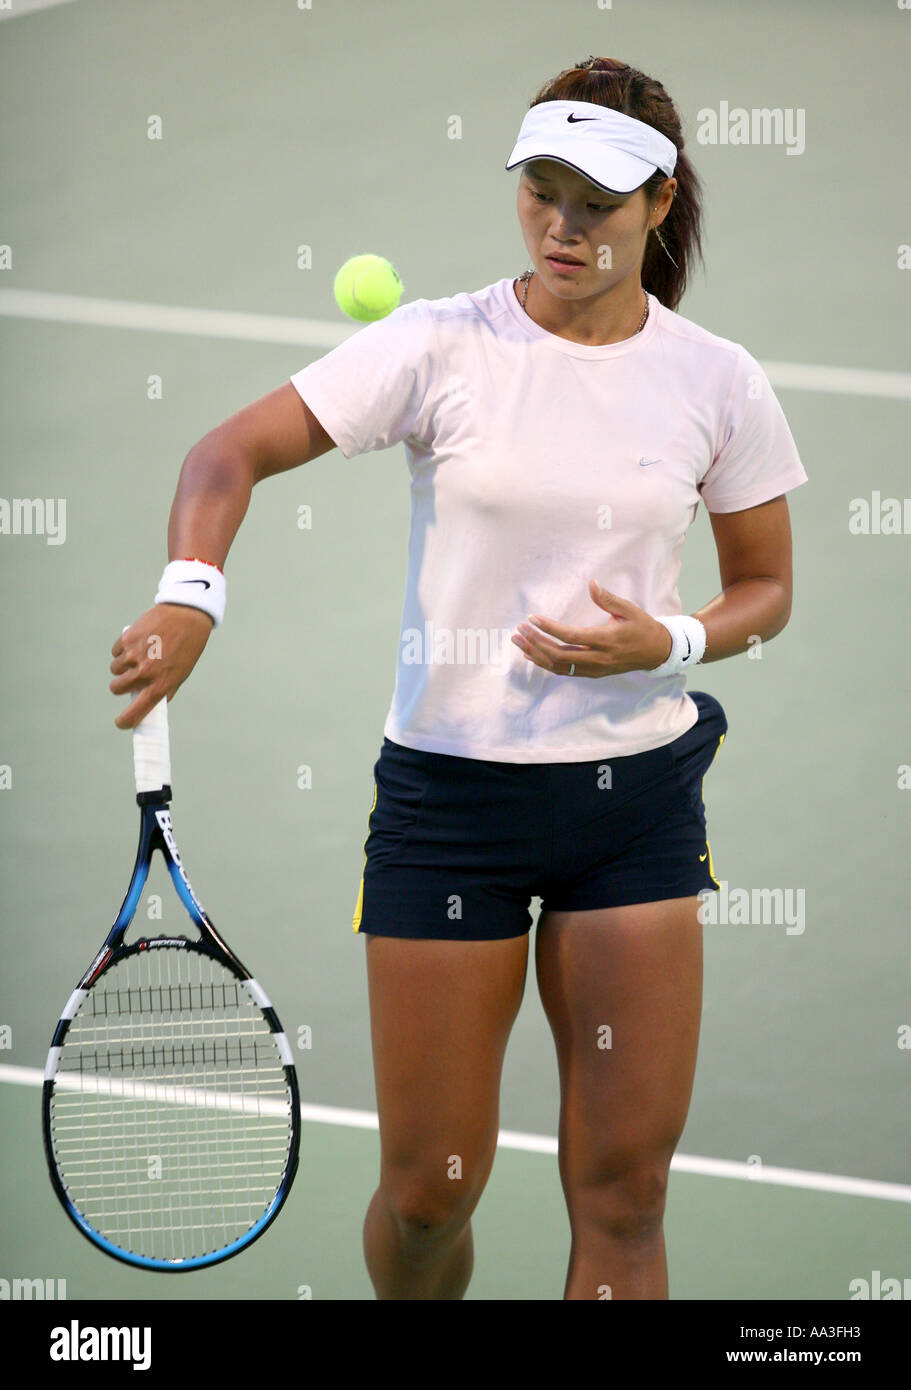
(536, 464)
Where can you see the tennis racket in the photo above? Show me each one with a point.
(171, 1110)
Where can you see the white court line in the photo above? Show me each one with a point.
(28, 6)
(840, 381)
(543, 1144)
(171, 1093)
(273, 328)
(168, 318)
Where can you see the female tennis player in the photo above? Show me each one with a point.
(560, 428)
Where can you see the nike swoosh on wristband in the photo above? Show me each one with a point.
(195, 581)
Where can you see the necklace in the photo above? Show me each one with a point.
(526, 276)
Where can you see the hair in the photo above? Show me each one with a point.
(609, 82)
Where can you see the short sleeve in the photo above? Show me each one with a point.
(372, 390)
(756, 458)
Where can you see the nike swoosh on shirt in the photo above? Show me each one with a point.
(646, 463)
(703, 856)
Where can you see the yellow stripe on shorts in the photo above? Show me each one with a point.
(701, 786)
(359, 906)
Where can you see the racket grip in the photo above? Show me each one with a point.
(152, 751)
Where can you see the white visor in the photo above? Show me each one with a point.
(614, 151)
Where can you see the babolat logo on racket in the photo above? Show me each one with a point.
(96, 964)
(164, 821)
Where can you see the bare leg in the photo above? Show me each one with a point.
(622, 988)
(440, 1015)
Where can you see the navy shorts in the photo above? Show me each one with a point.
(457, 847)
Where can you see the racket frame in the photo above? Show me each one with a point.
(156, 832)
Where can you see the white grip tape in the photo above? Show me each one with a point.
(151, 750)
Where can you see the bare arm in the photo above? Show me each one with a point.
(754, 561)
(274, 434)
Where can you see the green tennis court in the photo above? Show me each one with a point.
(152, 287)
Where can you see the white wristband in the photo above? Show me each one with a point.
(688, 645)
(195, 584)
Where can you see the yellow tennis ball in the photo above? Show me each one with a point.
(367, 288)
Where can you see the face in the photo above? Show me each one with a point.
(561, 213)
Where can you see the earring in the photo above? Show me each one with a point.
(662, 243)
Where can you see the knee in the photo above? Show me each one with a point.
(427, 1211)
(626, 1203)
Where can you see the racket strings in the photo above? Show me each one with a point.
(171, 1113)
(155, 998)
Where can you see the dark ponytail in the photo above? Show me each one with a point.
(625, 89)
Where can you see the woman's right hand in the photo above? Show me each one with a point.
(154, 656)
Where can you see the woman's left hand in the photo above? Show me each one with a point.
(632, 640)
